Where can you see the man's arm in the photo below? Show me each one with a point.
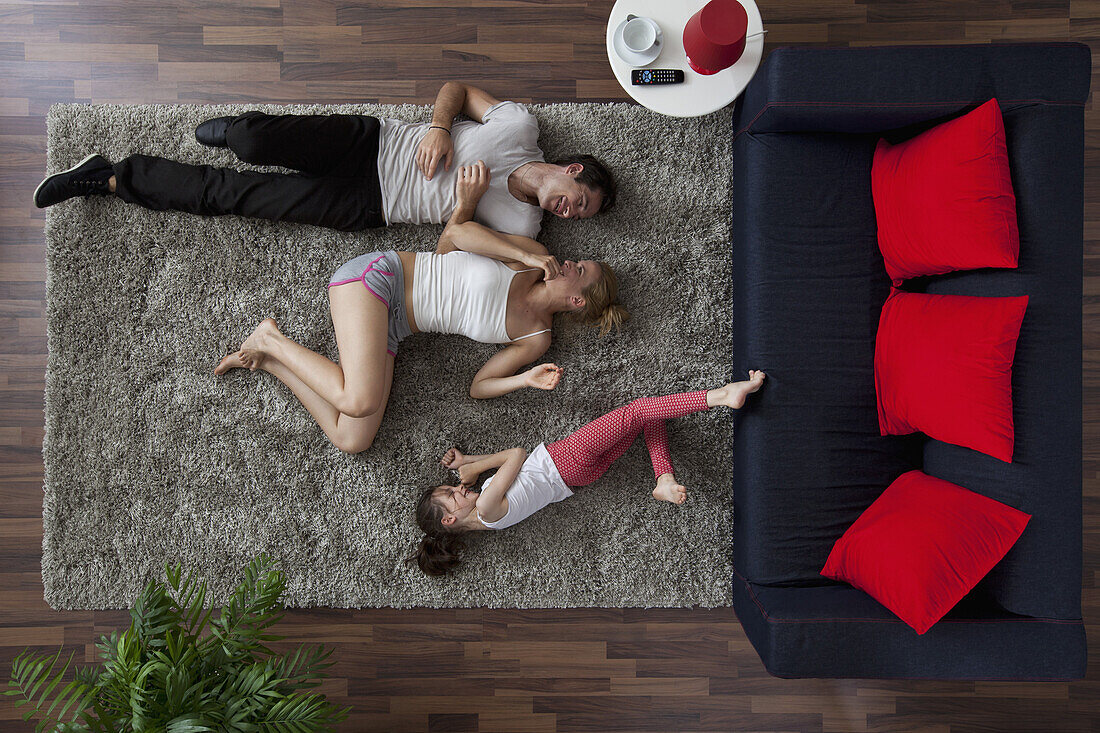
(453, 97)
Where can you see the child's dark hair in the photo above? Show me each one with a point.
(440, 551)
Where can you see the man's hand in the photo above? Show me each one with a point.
(471, 183)
(544, 376)
(453, 459)
(435, 146)
(547, 263)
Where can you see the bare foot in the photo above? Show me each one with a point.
(734, 394)
(233, 361)
(670, 491)
(253, 351)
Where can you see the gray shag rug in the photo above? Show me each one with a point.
(151, 459)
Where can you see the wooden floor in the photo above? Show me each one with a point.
(475, 670)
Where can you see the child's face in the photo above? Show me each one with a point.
(457, 502)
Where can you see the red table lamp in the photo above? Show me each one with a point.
(714, 38)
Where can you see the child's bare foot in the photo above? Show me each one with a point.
(253, 351)
(734, 394)
(670, 491)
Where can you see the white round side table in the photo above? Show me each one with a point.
(699, 94)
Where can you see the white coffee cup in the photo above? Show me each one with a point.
(639, 35)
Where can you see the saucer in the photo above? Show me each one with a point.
(630, 57)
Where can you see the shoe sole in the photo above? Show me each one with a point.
(47, 179)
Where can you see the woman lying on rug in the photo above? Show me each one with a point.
(522, 485)
(498, 285)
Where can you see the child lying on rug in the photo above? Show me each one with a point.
(522, 485)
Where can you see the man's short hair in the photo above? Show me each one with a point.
(596, 176)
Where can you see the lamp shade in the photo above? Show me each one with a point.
(714, 38)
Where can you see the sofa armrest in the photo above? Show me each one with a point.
(866, 90)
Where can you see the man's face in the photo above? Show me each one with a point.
(563, 196)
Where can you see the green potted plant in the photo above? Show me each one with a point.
(178, 670)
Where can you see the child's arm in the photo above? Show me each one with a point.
(493, 502)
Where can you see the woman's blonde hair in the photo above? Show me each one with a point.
(600, 308)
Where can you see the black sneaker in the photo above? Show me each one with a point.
(212, 132)
(89, 177)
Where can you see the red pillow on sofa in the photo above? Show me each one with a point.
(943, 366)
(944, 199)
(923, 545)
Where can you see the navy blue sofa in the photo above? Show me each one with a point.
(809, 284)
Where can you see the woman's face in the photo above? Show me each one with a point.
(577, 277)
(457, 501)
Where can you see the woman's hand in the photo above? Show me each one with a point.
(468, 475)
(547, 263)
(471, 183)
(435, 146)
(544, 376)
(453, 459)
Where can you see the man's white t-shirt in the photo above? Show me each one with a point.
(539, 483)
(507, 138)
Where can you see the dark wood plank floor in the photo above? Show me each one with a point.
(476, 670)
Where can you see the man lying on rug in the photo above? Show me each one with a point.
(497, 286)
(522, 485)
(359, 171)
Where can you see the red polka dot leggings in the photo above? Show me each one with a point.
(586, 454)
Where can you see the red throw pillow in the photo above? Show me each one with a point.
(943, 367)
(944, 199)
(923, 545)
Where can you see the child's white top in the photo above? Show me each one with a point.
(539, 483)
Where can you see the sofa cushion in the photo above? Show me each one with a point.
(944, 200)
(808, 288)
(923, 545)
(1041, 575)
(943, 366)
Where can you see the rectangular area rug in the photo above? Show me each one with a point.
(151, 459)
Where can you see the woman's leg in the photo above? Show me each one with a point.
(355, 386)
(349, 434)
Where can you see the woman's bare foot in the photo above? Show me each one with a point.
(734, 394)
(670, 491)
(253, 351)
(232, 361)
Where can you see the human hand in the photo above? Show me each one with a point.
(436, 145)
(453, 459)
(547, 263)
(471, 183)
(468, 475)
(544, 376)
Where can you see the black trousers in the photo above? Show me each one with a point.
(337, 187)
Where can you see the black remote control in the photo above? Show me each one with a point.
(643, 77)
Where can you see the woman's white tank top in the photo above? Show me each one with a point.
(465, 294)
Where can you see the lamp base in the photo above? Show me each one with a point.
(701, 70)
